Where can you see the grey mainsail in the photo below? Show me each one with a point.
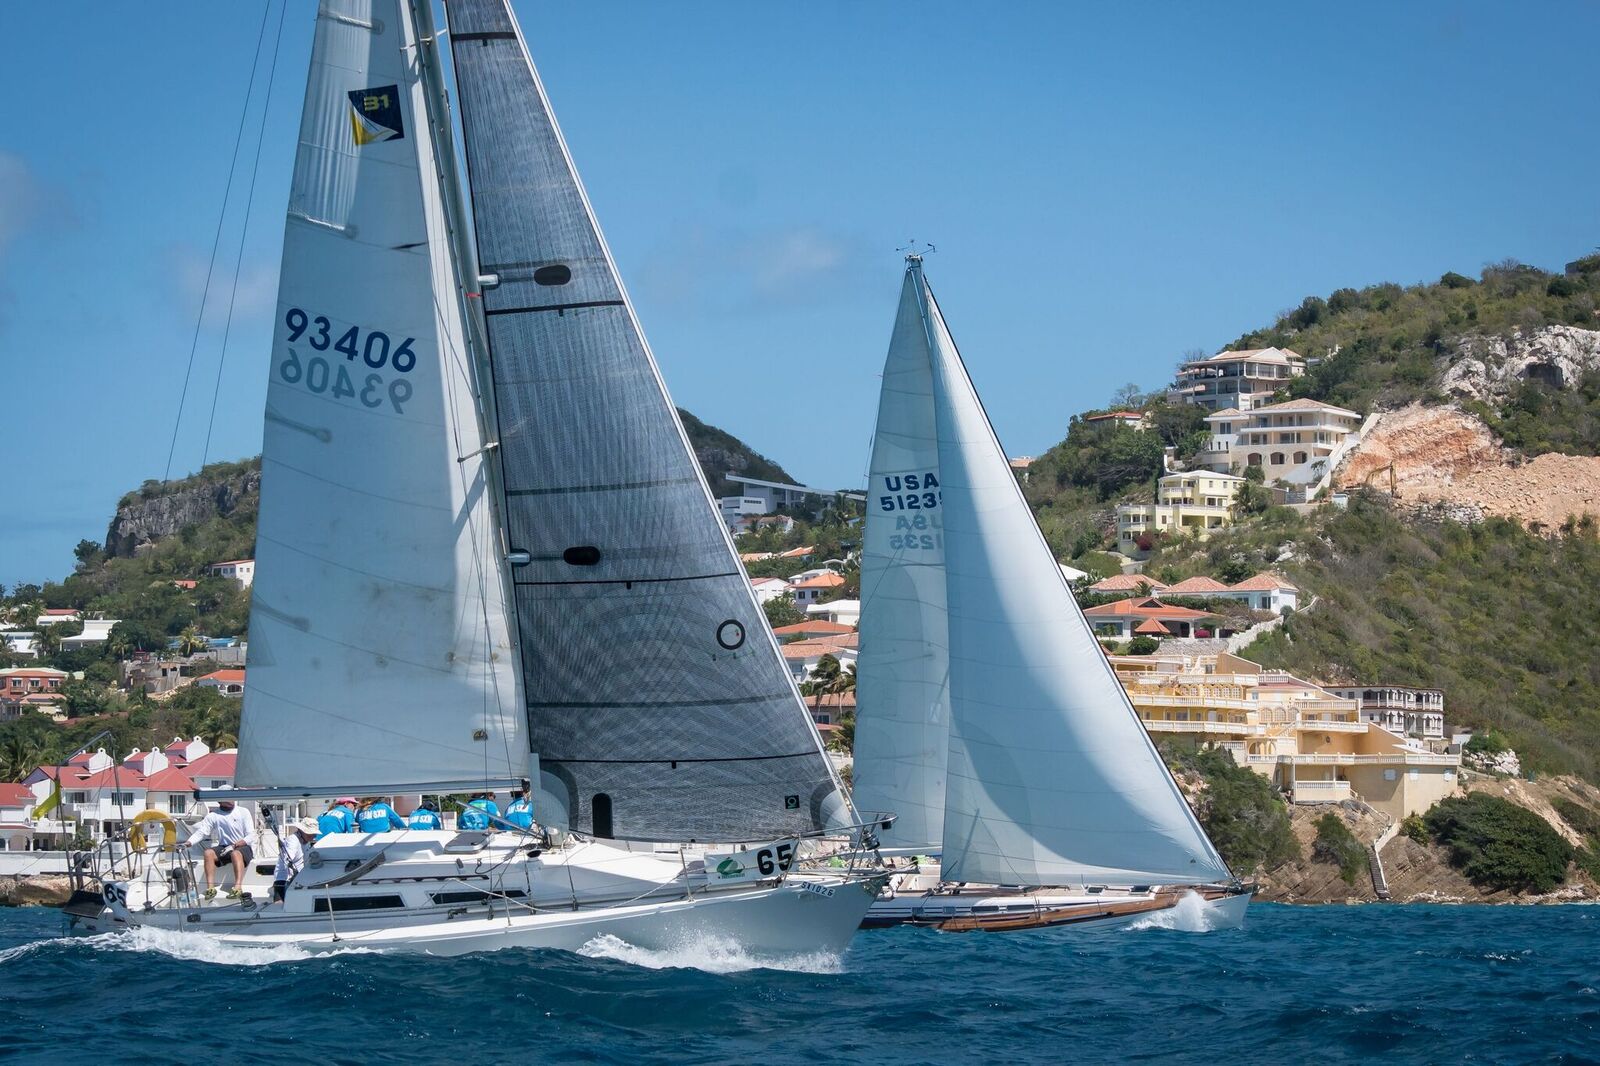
(653, 684)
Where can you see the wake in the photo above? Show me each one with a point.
(708, 954)
(1191, 915)
(187, 946)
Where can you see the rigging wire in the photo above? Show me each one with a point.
(216, 241)
(244, 232)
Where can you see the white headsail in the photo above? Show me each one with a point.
(1052, 778)
(902, 677)
(379, 652)
(658, 701)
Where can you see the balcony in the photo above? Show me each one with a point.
(1232, 729)
(1322, 791)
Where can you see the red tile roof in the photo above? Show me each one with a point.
(12, 795)
(820, 626)
(1265, 582)
(1146, 607)
(1127, 583)
(806, 649)
(821, 581)
(169, 780)
(1150, 625)
(118, 777)
(796, 553)
(1195, 586)
(217, 764)
(225, 677)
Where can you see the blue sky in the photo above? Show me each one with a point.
(1107, 187)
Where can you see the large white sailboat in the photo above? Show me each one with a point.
(487, 560)
(1027, 790)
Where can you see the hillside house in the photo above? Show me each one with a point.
(1238, 379)
(1148, 616)
(228, 682)
(1186, 502)
(1412, 712)
(1292, 441)
(24, 687)
(811, 587)
(242, 571)
(768, 589)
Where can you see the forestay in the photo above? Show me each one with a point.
(1052, 778)
(378, 645)
(655, 690)
(903, 718)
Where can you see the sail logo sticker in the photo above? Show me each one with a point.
(375, 114)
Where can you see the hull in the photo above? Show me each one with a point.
(919, 898)
(561, 901)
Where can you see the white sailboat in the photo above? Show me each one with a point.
(989, 719)
(487, 559)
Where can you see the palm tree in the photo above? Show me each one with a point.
(190, 641)
(19, 757)
(47, 642)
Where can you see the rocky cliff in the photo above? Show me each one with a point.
(1489, 369)
(163, 509)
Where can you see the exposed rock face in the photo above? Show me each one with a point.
(1445, 458)
(44, 890)
(142, 522)
(1489, 368)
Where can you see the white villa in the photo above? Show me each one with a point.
(1293, 441)
(1236, 379)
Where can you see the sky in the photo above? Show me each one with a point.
(1107, 187)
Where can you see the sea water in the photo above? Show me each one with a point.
(1334, 984)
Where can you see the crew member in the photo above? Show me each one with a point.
(479, 814)
(377, 817)
(425, 817)
(519, 812)
(292, 855)
(228, 831)
(338, 818)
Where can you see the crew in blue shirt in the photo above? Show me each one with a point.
(339, 818)
(378, 817)
(519, 812)
(477, 814)
(425, 817)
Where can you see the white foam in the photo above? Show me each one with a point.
(177, 944)
(710, 954)
(1190, 915)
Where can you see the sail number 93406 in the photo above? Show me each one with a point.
(319, 376)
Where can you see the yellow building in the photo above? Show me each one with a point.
(1312, 744)
(1197, 501)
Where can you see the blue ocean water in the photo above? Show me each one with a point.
(1407, 984)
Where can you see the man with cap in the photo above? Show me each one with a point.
(340, 817)
(292, 855)
(228, 831)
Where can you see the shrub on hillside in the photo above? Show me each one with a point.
(1498, 844)
(1336, 844)
(1241, 812)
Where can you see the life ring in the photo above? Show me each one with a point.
(169, 830)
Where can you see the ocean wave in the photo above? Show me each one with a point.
(709, 954)
(1191, 915)
(176, 944)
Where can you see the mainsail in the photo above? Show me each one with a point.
(1052, 779)
(903, 728)
(378, 646)
(657, 699)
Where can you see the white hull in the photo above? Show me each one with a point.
(562, 899)
(920, 898)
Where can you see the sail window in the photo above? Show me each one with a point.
(359, 903)
(602, 814)
(730, 635)
(584, 555)
(559, 274)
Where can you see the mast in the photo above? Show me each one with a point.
(469, 286)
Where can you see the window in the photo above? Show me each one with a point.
(1299, 457)
(177, 803)
(1389, 775)
(601, 817)
(122, 799)
(1277, 458)
(1253, 459)
(359, 903)
(77, 797)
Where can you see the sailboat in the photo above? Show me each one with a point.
(1027, 791)
(487, 560)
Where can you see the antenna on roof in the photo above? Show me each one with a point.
(914, 250)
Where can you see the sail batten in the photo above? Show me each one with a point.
(378, 646)
(641, 641)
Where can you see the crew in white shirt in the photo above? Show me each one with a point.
(292, 855)
(229, 832)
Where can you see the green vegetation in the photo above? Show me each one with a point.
(1539, 418)
(1241, 812)
(1336, 844)
(135, 722)
(1586, 822)
(1388, 336)
(1498, 844)
(720, 452)
(1506, 622)
(1415, 828)
(781, 611)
